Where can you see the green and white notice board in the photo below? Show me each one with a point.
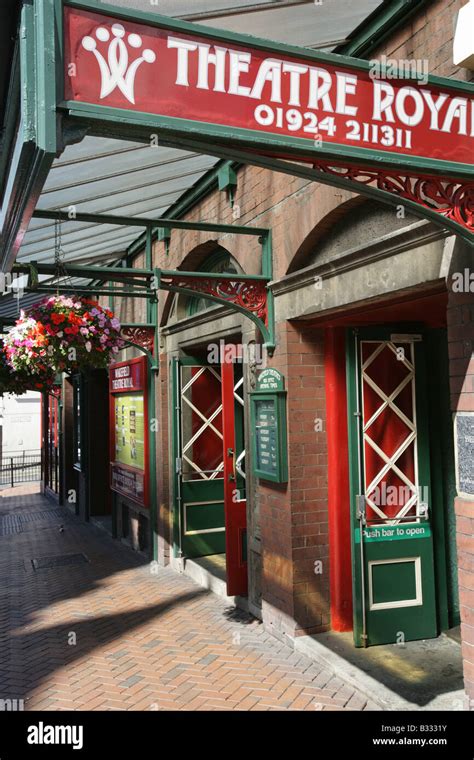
(268, 427)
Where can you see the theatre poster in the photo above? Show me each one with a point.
(129, 466)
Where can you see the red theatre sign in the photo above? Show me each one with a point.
(141, 67)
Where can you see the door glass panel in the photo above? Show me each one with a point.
(201, 423)
(389, 430)
(239, 432)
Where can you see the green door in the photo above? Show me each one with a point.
(199, 519)
(392, 544)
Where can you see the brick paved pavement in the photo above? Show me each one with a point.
(111, 635)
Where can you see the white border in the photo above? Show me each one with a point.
(416, 602)
(197, 504)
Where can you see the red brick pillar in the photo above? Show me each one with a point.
(461, 362)
(293, 516)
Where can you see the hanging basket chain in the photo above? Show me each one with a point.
(60, 272)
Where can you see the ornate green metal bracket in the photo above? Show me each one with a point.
(142, 337)
(247, 294)
(152, 361)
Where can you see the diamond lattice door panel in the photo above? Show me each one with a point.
(392, 543)
(389, 430)
(200, 460)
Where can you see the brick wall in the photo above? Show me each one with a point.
(461, 365)
(465, 543)
(461, 347)
(293, 517)
(429, 34)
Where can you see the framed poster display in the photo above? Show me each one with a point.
(129, 466)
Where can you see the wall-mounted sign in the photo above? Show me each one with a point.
(129, 471)
(171, 69)
(268, 423)
(270, 380)
(464, 452)
(393, 533)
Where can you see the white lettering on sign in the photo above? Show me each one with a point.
(316, 88)
(122, 371)
(122, 378)
(122, 383)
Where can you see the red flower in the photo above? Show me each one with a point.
(57, 318)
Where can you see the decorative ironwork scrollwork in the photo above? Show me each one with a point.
(250, 295)
(450, 198)
(142, 336)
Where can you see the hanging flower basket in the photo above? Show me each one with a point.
(18, 383)
(63, 334)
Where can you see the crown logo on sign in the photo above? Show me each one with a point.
(116, 71)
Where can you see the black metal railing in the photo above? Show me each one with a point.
(20, 467)
(52, 468)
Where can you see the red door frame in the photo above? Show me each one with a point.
(235, 510)
(428, 308)
(340, 564)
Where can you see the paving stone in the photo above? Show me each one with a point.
(142, 641)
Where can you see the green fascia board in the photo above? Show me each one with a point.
(383, 21)
(295, 147)
(11, 118)
(198, 30)
(31, 158)
(46, 70)
(29, 169)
